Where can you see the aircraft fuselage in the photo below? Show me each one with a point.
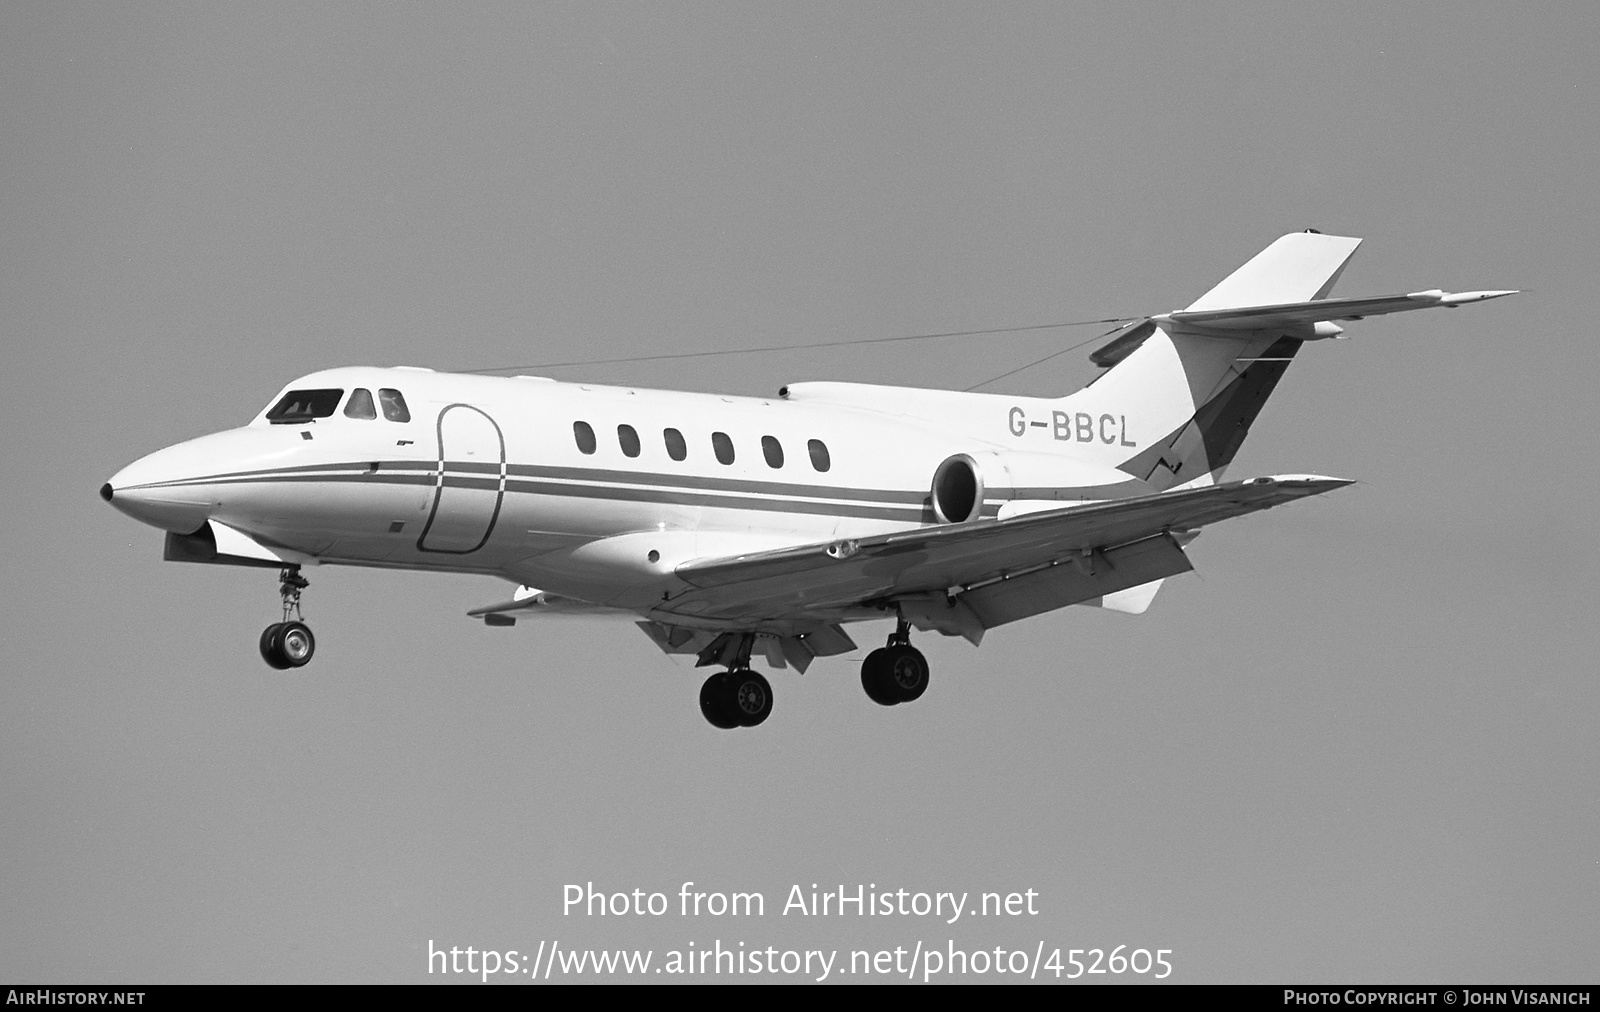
(588, 491)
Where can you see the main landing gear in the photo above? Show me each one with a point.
(897, 672)
(289, 644)
(737, 697)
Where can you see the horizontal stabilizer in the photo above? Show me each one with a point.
(1299, 314)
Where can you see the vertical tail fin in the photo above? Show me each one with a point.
(1296, 268)
(1184, 396)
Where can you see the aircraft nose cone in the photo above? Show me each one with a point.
(159, 489)
(169, 508)
(180, 487)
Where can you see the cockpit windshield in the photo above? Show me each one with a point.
(360, 404)
(298, 406)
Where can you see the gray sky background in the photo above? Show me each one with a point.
(1358, 746)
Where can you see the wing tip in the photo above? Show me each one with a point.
(1454, 299)
(1305, 484)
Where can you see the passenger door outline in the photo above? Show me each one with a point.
(462, 503)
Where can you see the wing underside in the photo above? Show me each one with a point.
(965, 578)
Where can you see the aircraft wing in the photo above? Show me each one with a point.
(964, 578)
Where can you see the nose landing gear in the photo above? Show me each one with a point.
(289, 644)
(897, 672)
(737, 697)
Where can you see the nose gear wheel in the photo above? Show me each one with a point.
(289, 643)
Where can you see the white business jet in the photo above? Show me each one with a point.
(727, 527)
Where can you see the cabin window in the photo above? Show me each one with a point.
(584, 436)
(299, 406)
(722, 446)
(628, 439)
(772, 450)
(394, 405)
(677, 449)
(819, 454)
(360, 404)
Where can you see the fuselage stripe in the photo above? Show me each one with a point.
(681, 497)
(430, 468)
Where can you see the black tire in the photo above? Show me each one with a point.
(875, 678)
(714, 702)
(294, 644)
(749, 698)
(269, 651)
(906, 672)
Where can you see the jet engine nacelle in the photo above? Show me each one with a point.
(1021, 482)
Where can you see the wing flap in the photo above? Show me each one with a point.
(1075, 582)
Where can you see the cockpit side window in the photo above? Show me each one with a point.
(299, 406)
(394, 405)
(360, 404)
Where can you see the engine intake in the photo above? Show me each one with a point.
(957, 490)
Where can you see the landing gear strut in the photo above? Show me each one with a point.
(897, 672)
(289, 644)
(737, 697)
